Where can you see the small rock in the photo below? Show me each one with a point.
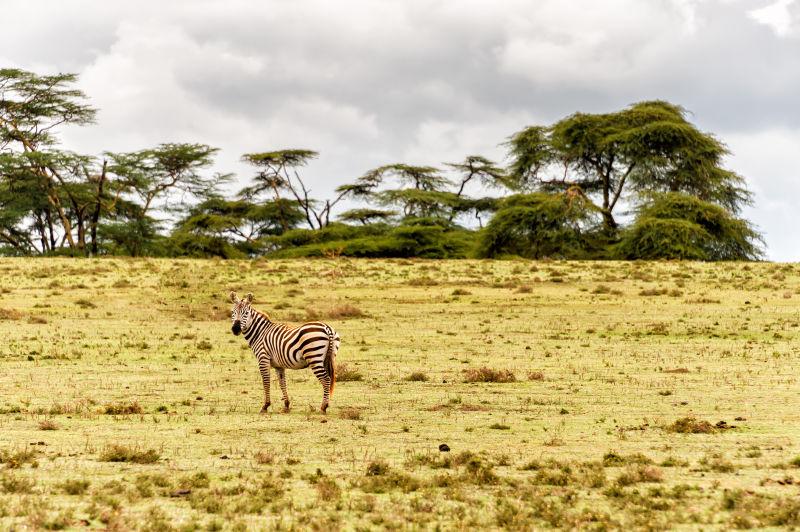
(323, 420)
(740, 418)
(444, 448)
(224, 457)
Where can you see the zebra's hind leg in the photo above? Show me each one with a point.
(282, 380)
(325, 380)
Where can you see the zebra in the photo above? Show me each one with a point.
(281, 346)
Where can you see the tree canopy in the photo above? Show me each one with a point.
(560, 194)
(647, 147)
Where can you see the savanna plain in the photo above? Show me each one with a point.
(593, 395)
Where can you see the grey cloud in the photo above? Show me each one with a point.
(369, 82)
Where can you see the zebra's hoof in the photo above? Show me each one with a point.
(286, 406)
(264, 408)
(324, 408)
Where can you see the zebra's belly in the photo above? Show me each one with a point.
(283, 362)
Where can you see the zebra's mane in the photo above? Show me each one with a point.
(261, 312)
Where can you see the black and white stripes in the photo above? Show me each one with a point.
(280, 346)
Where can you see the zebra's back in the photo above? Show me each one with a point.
(297, 347)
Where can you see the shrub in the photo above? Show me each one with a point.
(417, 376)
(328, 489)
(540, 225)
(14, 460)
(265, 457)
(486, 374)
(124, 453)
(85, 303)
(345, 373)
(14, 484)
(680, 226)
(74, 486)
(351, 413)
(10, 314)
(121, 409)
(337, 312)
(690, 425)
(48, 424)
(640, 473)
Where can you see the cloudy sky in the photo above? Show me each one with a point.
(372, 82)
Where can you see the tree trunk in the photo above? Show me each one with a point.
(97, 208)
(51, 232)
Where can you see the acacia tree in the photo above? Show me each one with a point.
(278, 171)
(541, 225)
(649, 146)
(31, 108)
(366, 216)
(239, 223)
(163, 179)
(674, 225)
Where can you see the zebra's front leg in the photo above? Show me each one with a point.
(325, 380)
(282, 380)
(263, 367)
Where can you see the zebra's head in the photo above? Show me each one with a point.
(240, 315)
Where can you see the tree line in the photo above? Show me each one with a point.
(561, 193)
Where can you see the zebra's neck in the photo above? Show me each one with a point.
(257, 328)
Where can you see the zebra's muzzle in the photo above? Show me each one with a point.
(237, 328)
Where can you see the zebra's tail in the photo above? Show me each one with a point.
(330, 356)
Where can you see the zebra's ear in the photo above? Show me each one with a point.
(233, 297)
(249, 297)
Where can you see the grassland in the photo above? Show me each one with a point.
(643, 395)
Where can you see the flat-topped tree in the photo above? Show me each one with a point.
(173, 167)
(421, 189)
(649, 146)
(242, 220)
(477, 167)
(32, 107)
(278, 170)
(366, 216)
(418, 177)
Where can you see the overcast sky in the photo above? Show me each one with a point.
(372, 82)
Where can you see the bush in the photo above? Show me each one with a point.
(345, 373)
(121, 409)
(541, 225)
(417, 376)
(690, 425)
(679, 226)
(123, 453)
(428, 238)
(337, 312)
(486, 374)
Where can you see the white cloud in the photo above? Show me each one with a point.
(778, 16)
(368, 82)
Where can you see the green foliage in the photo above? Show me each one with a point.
(679, 226)
(541, 225)
(416, 237)
(56, 202)
(232, 228)
(174, 166)
(647, 147)
(366, 215)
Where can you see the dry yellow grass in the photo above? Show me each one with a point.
(610, 360)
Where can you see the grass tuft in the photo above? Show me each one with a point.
(691, 425)
(123, 408)
(486, 374)
(346, 373)
(124, 453)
